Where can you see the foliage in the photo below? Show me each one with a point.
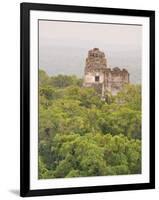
(80, 135)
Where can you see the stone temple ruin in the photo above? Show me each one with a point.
(98, 74)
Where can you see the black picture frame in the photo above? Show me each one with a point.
(25, 9)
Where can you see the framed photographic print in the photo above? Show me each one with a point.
(87, 99)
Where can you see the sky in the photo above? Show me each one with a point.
(63, 46)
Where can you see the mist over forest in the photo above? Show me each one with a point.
(63, 47)
(71, 61)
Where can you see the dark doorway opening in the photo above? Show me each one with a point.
(96, 78)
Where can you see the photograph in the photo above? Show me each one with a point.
(87, 99)
(90, 113)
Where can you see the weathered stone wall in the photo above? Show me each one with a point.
(97, 73)
(90, 78)
(96, 60)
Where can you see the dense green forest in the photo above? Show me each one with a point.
(80, 135)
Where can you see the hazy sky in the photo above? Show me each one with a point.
(63, 46)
